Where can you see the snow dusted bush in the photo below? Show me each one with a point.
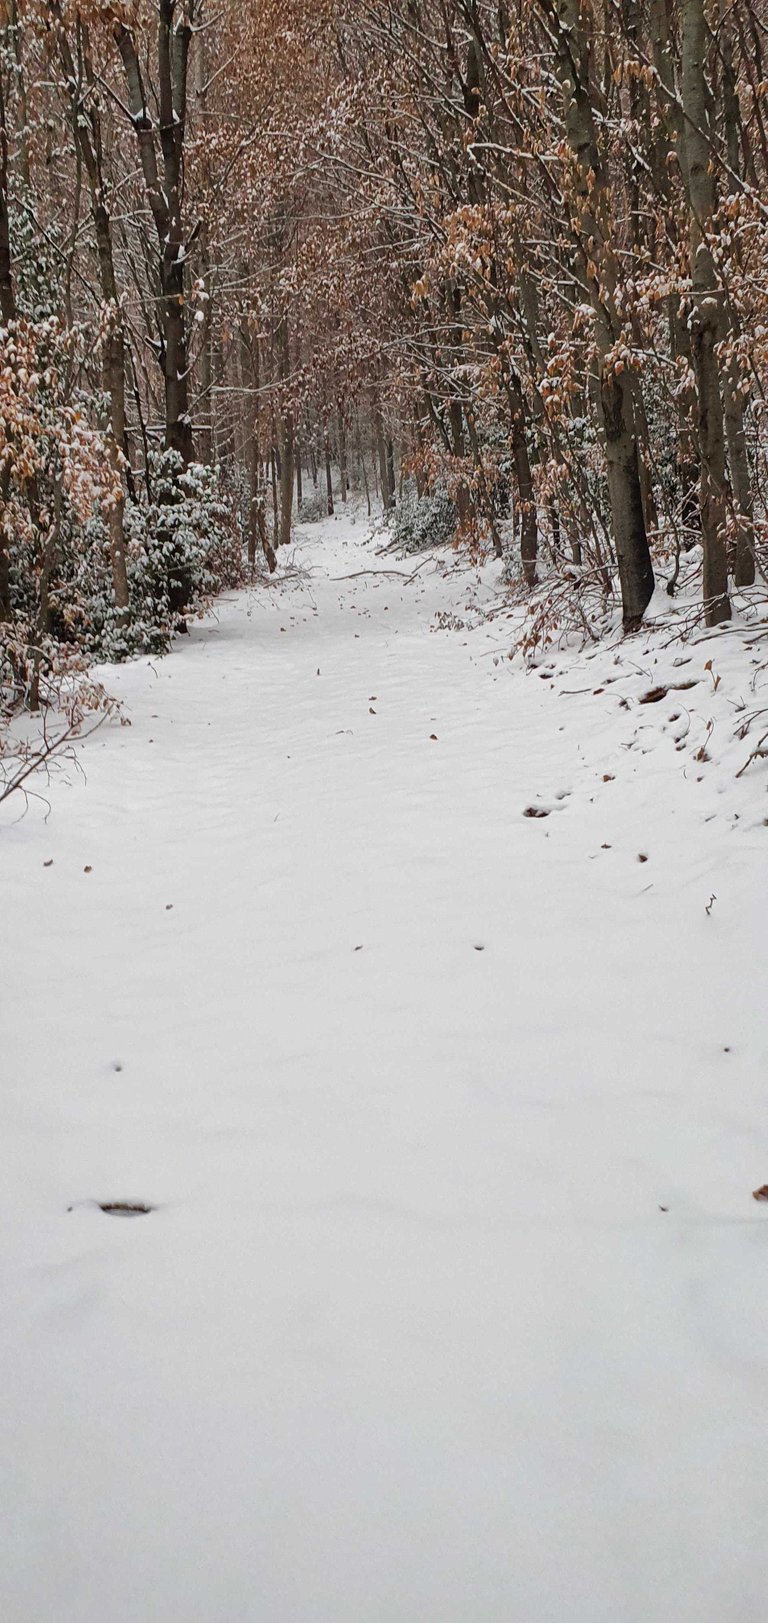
(312, 508)
(183, 547)
(420, 522)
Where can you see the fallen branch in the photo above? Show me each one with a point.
(381, 573)
(32, 757)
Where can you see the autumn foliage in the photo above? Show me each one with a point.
(504, 264)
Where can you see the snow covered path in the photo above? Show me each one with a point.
(453, 1307)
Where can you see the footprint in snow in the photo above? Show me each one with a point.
(116, 1208)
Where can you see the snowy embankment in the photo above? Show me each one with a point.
(451, 1306)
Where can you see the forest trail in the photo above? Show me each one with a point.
(452, 1307)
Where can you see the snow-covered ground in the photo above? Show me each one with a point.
(452, 1307)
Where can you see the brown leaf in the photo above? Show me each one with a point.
(653, 695)
(761, 1193)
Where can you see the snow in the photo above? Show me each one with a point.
(452, 1307)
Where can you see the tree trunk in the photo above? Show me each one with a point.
(614, 392)
(391, 471)
(88, 139)
(268, 549)
(8, 313)
(286, 481)
(114, 381)
(204, 412)
(7, 294)
(342, 440)
(529, 528)
(741, 479)
(361, 465)
(735, 398)
(275, 504)
(381, 455)
(463, 496)
(253, 503)
(706, 299)
(286, 441)
(328, 478)
(164, 199)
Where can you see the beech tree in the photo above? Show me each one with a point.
(160, 144)
(507, 261)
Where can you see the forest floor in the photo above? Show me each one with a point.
(451, 1305)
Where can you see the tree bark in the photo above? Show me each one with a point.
(342, 441)
(328, 476)
(164, 200)
(286, 440)
(86, 128)
(8, 313)
(387, 494)
(735, 397)
(286, 480)
(614, 392)
(391, 471)
(529, 529)
(706, 300)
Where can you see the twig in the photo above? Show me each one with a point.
(33, 759)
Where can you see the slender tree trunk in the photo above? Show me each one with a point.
(463, 496)
(253, 503)
(735, 396)
(7, 293)
(341, 435)
(205, 414)
(614, 393)
(205, 398)
(286, 481)
(741, 478)
(485, 493)
(5, 578)
(8, 313)
(706, 300)
(381, 453)
(391, 471)
(17, 35)
(286, 445)
(529, 528)
(114, 380)
(381, 458)
(164, 199)
(267, 547)
(328, 477)
(88, 141)
(275, 502)
(362, 467)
